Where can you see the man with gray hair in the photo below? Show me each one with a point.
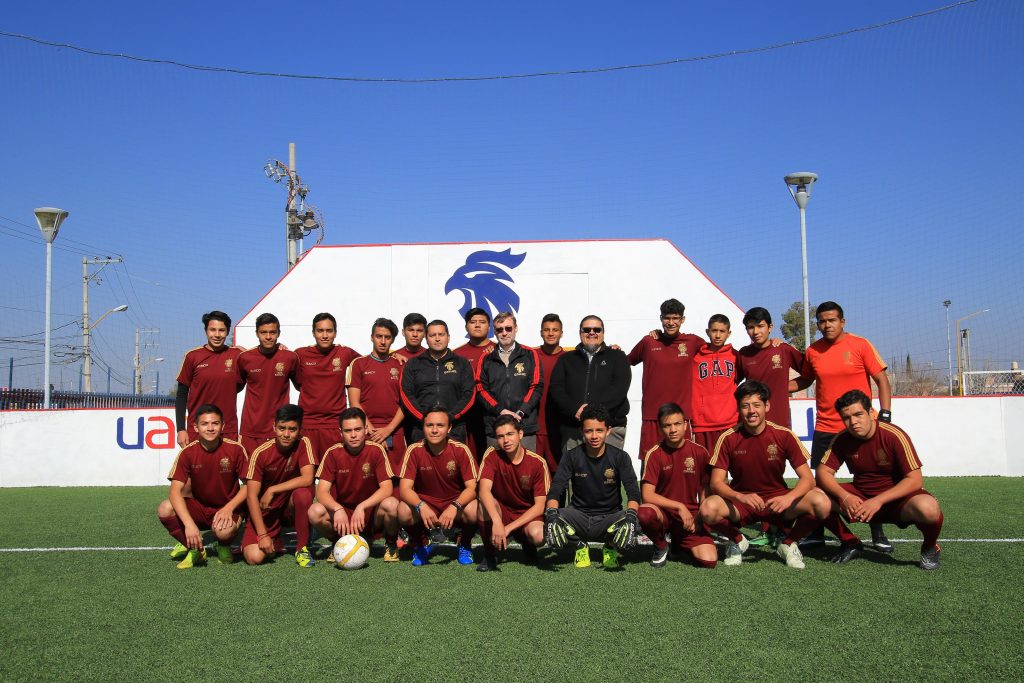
(509, 382)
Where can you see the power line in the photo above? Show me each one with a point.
(496, 77)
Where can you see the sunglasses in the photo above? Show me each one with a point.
(503, 329)
(592, 330)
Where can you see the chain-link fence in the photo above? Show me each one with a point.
(988, 382)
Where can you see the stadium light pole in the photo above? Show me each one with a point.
(49, 220)
(949, 353)
(799, 185)
(139, 369)
(86, 353)
(959, 369)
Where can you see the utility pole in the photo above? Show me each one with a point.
(138, 365)
(86, 328)
(300, 219)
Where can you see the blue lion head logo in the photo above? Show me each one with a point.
(484, 281)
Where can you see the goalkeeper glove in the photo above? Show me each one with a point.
(556, 530)
(884, 415)
(623, 532)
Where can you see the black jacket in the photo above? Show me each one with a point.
(604, 380)
(448, 382)
(515, 387)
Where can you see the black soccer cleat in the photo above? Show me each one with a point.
(530, 554)
(660, 556)
(848, 553)
(879, 539)
(930, 558)
(489, 564)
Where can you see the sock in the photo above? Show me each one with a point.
(486, 529)
(803, 525)
(728, 530)
(930, 531)
(705, 564)
(652, 526)
(837, 526)
(302, 499)
(174, 528)
(466, 537)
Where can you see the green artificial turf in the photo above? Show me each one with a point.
(101, 615)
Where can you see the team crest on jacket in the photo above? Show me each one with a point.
(336, 362)
(449, 366)
(228, 363)
(609, 476)
(524, 482)
(225, 464)
(689, 463)
(520, 368)
(485, 280)
(777, 361)
(773, 452)
(452, 468)
(279, 369)
(882, 457)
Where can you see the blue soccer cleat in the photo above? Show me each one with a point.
(465, 555)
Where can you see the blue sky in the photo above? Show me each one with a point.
(914, 129)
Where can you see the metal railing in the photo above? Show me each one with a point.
(989, 382)
(32, 399)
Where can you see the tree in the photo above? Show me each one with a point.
(793, 325)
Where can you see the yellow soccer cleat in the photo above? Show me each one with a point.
(224, 555)
(194, 558)
(391, 553)
(179, 551)
(609, 557)
(304, 558)
(583, 556)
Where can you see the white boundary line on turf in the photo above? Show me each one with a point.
(167, 547)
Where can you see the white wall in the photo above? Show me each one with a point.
(953, 436)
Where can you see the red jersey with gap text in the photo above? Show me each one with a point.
(714, 386)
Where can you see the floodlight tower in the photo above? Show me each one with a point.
(300, 219)
(949, 353)
(799, 185)
(49, 220)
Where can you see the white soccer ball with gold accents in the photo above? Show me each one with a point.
(351, 552)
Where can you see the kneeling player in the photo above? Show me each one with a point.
(214, 465)
(597, 471)
(755, 454)
(887, 480)
(438, 489)
(675, 481)
(353, 495)
(280, 483)
(512, 487)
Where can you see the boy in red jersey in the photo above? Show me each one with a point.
(280, 489)
(768, 361)
(887, 482)
(840, 362)
(512, 488)
(668, 359)
(266, 370)
(714, 381)
(675, 481)
(414, 329)
(755, 453)
(374, 385)
(548, 435)
(353, 495)
(323, 368)
(438, 488)
(209, 376)
(214, 465)
(478, 330)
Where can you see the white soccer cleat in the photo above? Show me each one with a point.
(734, 553)
(790, 552)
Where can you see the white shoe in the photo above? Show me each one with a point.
(791, 554)
(734, 553)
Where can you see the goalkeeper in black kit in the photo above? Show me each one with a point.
(595, 471)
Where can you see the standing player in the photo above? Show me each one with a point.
(508, 382)
(478, 329)
(353, 495)
(438, 489)
(438, 377)
(593, 373)
(321, 382)
(675, 481)
(598, 472)
(266, 370)
(214, 465)
(209, 376)
(887, 482)
(714, 381)
(414, 328)
(668, 358)
(280, 489)
(769, 362)
(512, 486)
(755, 453)
(375, 387)
(840, 362)
(549, 444)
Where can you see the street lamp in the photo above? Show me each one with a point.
(86, 354)
(799, 185)
(49, 220)
(949, 354)
(959, 371)
(139, 368)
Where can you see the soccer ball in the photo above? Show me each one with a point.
(351, 552)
